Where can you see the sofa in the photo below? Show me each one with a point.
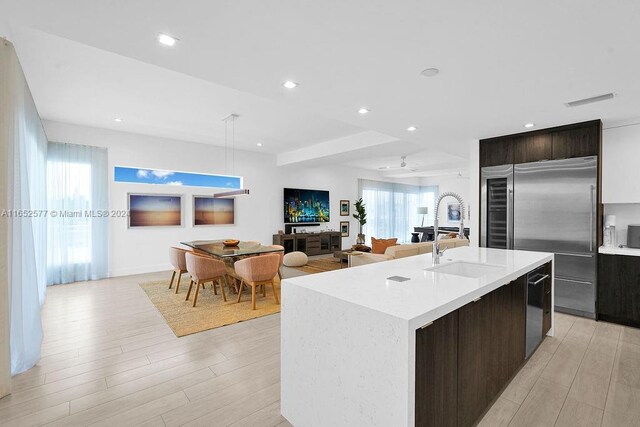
(405, 250)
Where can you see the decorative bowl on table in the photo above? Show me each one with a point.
(230, 243)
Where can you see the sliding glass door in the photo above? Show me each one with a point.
(392, 209)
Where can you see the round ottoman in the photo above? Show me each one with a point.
(295, 259)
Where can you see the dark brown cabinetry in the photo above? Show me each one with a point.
(437, 372)
(491, 347)
(464, 360)
(578, 142)
(325, 242)
(563, 142)
(619, 289)
(474, 358)
(496, 151)
(532, 148)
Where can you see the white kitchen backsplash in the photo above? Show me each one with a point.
(626, 213)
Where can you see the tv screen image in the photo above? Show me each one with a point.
(305, 206)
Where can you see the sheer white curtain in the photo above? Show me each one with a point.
(22, 135)
(392, 209)
(77, 197)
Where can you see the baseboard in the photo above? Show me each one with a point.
(140, 270)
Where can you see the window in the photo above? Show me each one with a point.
(392, 209)
(77, 200)
(69, 194)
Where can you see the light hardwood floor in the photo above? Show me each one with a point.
(108, 358)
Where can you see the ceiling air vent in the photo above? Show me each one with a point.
(590, 100)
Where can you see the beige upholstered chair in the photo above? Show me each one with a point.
(258, 271)
(177, 258)
(204, 269)
(281, 254)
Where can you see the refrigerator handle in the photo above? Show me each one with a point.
(510, 227)
(591, 215)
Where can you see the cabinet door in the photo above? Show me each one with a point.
(578, 142)
(325, 243)
(532, 148)
(474, 359)
(619, 289)
(301, 244)
(496, 151)
(436, 391)
(499, 340)
(289, 245)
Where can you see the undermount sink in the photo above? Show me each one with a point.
(473, 270)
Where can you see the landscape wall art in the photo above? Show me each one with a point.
(213, 211)
(155, 210)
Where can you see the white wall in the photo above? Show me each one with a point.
(626, 213)
(258, 215)
(5, 30)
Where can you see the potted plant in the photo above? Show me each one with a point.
(361, 217)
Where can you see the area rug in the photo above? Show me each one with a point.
(320, 265)
(211, 311)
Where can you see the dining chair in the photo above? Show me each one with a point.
(177, 259)
(258, 271)
(281, 254)
(204, 269)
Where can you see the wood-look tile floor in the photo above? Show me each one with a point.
(588, 374)
(108, 358)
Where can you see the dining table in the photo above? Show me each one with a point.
(217, 249)
(230, 254)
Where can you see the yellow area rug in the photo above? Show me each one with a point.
(211, 311)
(320, 265)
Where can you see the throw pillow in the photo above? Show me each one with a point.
(378, 246)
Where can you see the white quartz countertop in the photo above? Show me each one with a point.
(619, 251)
(427, 295)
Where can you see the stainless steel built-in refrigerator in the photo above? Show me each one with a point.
(547, 206)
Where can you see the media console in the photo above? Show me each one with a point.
(323, 242)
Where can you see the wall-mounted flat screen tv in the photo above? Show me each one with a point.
(306, 206)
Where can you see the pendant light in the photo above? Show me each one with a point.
(230, 118)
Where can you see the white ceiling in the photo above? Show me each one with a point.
(73, 82)
(502, 64)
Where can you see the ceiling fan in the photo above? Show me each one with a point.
(403, 166)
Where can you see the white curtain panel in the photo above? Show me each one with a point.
(392, 209)
(77, 198)
(26, 144)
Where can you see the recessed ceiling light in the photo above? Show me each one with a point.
(430, 72)
(363, 110)
(529, 125)
(259, 144)
(118, 120)
(166, 40)
(412, 128)
(290, 84)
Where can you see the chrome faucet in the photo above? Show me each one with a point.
(437, 250)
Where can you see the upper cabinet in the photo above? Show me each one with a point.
(563, 142)
(496, 151)
(620, 156)
(532, 148)
(578, 142)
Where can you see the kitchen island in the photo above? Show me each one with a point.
(402, 342)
